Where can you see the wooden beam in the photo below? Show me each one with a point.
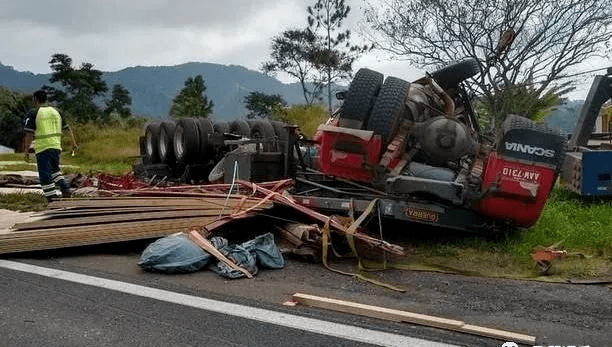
(208, 247)
(23, 241)
(409, 317)
(114, 218)
(144, 201)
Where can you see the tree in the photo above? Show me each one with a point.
(333, 54)
(516, 42)
(291, 53)
(191, 100)
(264, 105)
(522, 99)
(13, 107)
(80, 88)
(119, 102)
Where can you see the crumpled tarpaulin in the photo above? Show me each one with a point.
(178, 254)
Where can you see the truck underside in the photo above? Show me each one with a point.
(414, 148)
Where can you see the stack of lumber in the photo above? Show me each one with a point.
(78, 222)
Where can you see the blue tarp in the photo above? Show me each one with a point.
(176, 253)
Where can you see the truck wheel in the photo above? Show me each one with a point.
(389, 108)
(152, 143)
(240, 127)
(220, 127)
(186, 140)
(450, 76)
(282, 134)
(360, 98)
(166, 142)
(261, 129)
(205, 127)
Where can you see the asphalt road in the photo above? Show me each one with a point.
(48, 307)
(41, 310)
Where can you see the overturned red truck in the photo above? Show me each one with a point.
(414, 147)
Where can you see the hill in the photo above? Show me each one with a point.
(153, 88)
(564, 116)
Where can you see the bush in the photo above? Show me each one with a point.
(306, 117)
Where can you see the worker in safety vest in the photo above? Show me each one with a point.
(45, 125)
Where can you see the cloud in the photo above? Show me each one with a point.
(116, 34)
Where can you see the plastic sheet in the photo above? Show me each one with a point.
(177, 254)
(174, 254)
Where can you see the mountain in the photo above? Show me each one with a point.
(21, 81)
(565, 116)
(153, 88)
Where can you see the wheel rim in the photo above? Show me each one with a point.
(149, 144)
(179, 146)
(163, 150)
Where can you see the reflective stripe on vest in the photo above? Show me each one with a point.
(48, 129)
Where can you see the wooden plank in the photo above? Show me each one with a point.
(409, 317)
(133, 202)
(208, 247)
(120, 217)
(72, 212)
(114, 218)
(96, 234)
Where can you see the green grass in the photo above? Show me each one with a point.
(23, 202)
(582, 227)
(103, 148)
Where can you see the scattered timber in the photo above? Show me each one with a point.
(409, 317)
(90, 221)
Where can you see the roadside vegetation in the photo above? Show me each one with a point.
(578, 225)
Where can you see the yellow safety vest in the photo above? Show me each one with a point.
(48, 129)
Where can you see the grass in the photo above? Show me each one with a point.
(582, 227)
(23, 202)
(103, 148)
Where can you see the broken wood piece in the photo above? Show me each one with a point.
(409, 317)
(277, 197)
(208, 247)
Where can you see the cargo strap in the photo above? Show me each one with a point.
(325, 242)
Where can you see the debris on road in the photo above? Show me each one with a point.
(409, 317)
(544, 257)
(129, 209)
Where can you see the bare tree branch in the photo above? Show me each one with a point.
(549, 36)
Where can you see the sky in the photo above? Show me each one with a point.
(116, 34)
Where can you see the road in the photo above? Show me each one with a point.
(45, 306)
(79, 313)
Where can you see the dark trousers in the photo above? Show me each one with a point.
(50, 175)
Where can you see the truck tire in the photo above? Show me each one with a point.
(151, 142)
(186, 140)
(205, 129)
(240, 127)
(166, 143)
(261, 129)
(389, 108)
(450, 76)
(282, 134)
(360, 98)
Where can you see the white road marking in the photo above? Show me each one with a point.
(343, 331)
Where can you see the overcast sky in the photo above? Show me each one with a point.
(114, 34)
